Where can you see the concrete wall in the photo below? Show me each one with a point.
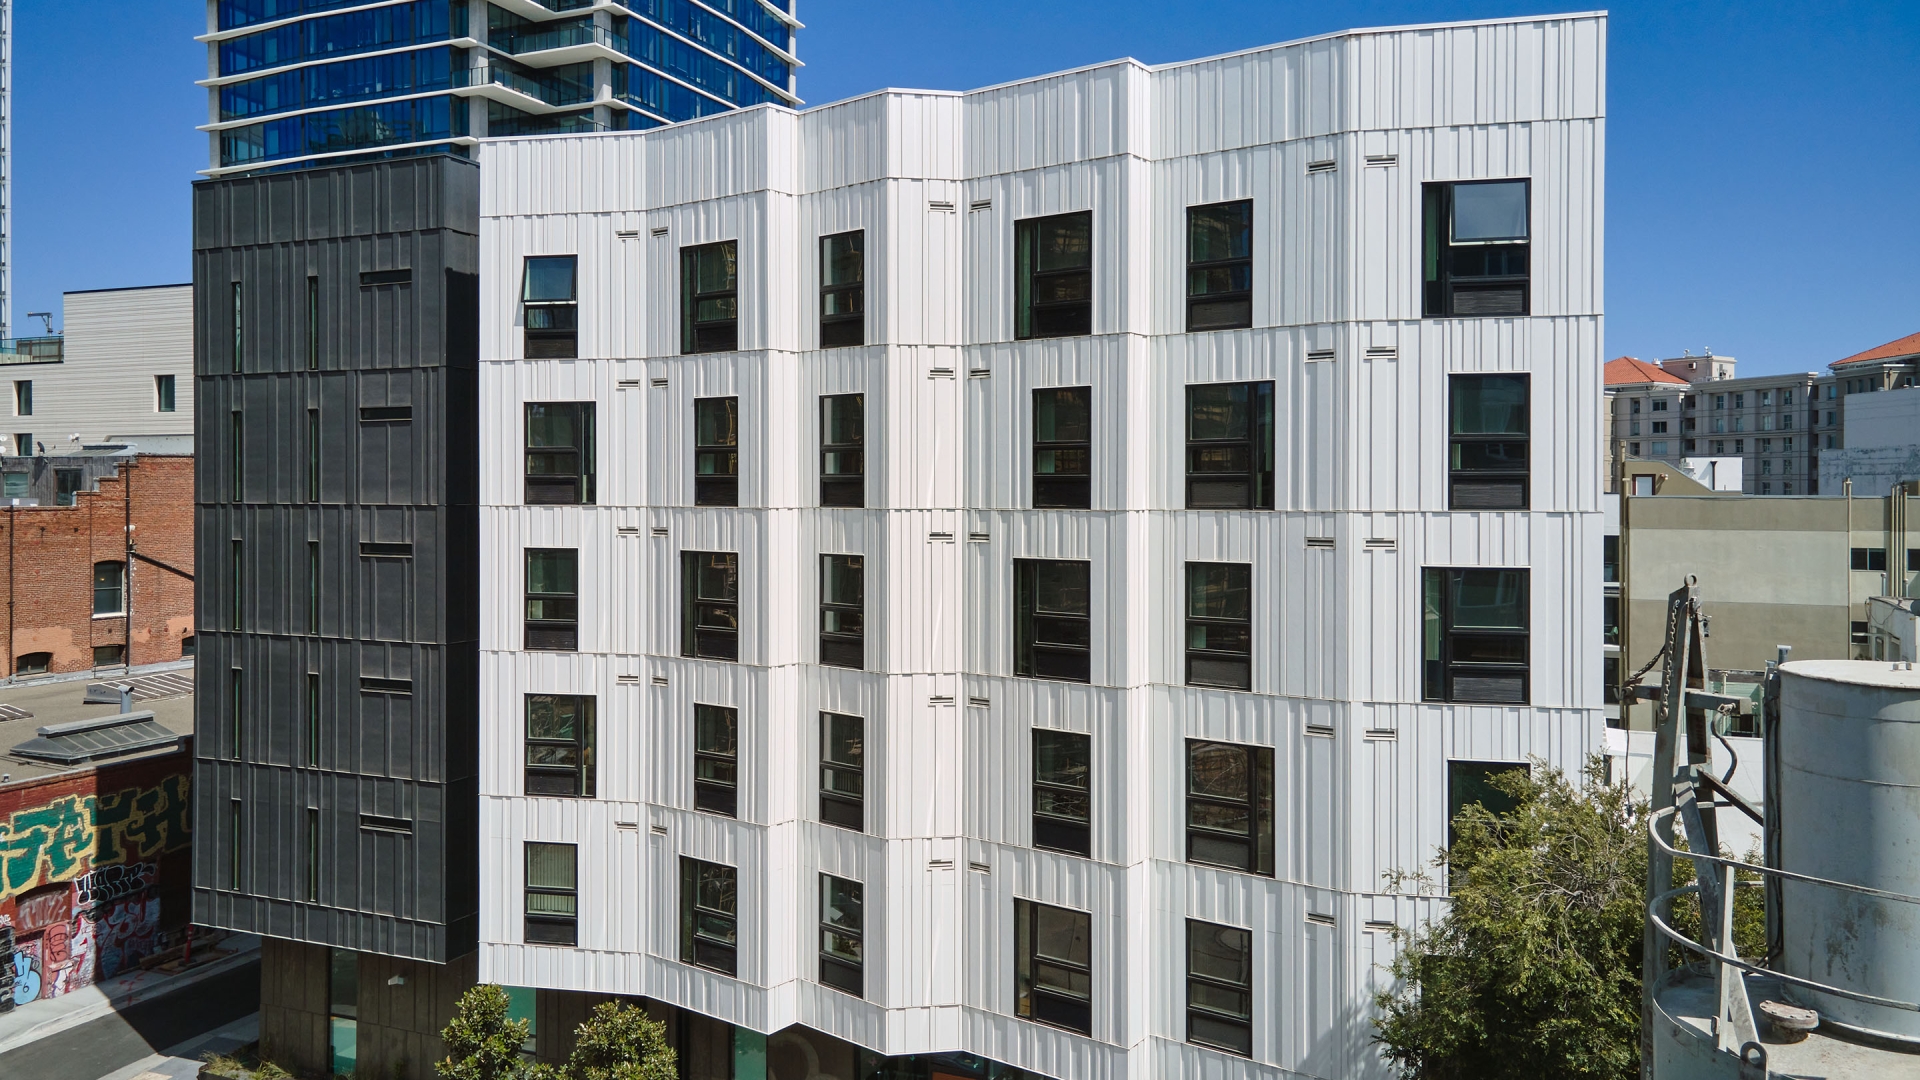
(1887, 419)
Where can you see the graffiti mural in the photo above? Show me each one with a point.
(85, 860)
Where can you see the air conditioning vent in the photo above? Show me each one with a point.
(1320, 541)
(940, 206)
(1320, 731)
(979, 867)
(1379, 926)
(1380, 543)
(659, 230)
(1489, 689)
(659, 680)
(629, 384)
(658, 830)
(634, 825)
(979, 373)
(940, 699)
(1381, 161)
(1489, 495)
(978, 702)
(1489, 300)
(1381, 734)
(940, 373)
(1318, 919)
(659, 530)
(1382, 352)
(1319, 356)
(1324, 165)
(939, 538)
(627, 680)
(939, 864)
(629, 530)
(977, 538)
(660, 382)
(980, 204)
(627, 234)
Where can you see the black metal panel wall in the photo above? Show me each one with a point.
(336, 504)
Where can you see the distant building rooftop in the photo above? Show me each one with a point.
(1628, 371)
(1893, 350)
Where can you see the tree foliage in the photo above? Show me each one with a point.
(619, 1042)
(616, 1042)
(482, 1043)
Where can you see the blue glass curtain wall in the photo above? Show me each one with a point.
(349, 80)
(662, 96)
(713, 32)
(238, 13)
(370, 126)
(667, 53)
(756, 18)
(344, 34)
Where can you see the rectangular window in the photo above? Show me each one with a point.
(109, 655)
(313, 586)
(1610, 619)
(236, 714)
(1220, 625)
(553, 894)
(237, 326)
(1220, 266)
(1220, 987)
(842, 934)
(843, 455)
(710, 605)
(236, 855)
(709, 927)
(343, 1009)
(1858, 633)
(709, 298)
(1475, 636)
(109, 588)
(1488, 462)
(313, 323)
(236, 458)
(843, 290)
(163, 399)
(1053, 965)
(1475, 250)
(1063, 791)
(560, 454)
(1063, 447)
(67, 485)
(549, 308)
(1230, 446)
(313, 720)
(313, 455)
(553, 599)
(716, 451)
(1052, 619)
(1230, 806)
(1659, 427)
(1869, 558)
(313, 855)
(1913, 560)
(22, 447)
(1053, 276)
(843, 611)
(23, 397)
(842, 771)
(716, 759)
(239, 585)
(1660, 448)
(1660, 405)
(560, 745)
(1633, 406)
(1471, 782)
(1610, 559)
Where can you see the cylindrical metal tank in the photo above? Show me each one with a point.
(1848, 805)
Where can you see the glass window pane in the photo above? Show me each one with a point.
(1063, 414)
(1486, 212)
(1065, 242)
(1218, 770)
(1218, 952)
(715, 890)
(1061, 588)
(716, 422)
(716, 576)
(843, 580)
(552, 716)
(841, 262)
(1217, 411)
(1219, 232)
(715, 271)
(1490, 599)
(1219, 591)
(1062, 757)
(840, 739)
(843, 418)
(1060, 934)
(550, 866)
(552, 571)
(714, 729)
(840, 903)
(549, 278)
(1489, 404)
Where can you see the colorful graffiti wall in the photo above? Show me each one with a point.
(93, 866)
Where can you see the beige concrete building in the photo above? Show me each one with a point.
(123, 375)
(1690, 408)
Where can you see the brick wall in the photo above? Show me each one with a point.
(46, 582)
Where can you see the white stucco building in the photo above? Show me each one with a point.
(1109, 520)
(123, 376)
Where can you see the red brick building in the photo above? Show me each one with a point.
(75, 576)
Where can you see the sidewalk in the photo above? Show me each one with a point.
(39, 1019)
(183, 1062)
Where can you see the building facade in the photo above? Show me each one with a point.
(6, 169)
(123, 375)
(294, 83)
(335, 313)
(1690, 408)
(994, 581)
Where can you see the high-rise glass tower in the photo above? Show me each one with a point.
(6, 168)
(295, 83)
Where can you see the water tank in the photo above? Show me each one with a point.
(1848, 802)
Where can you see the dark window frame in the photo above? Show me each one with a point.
(239, 339)
(709, 622)
(843, 771)
(1442, 640)
(843, 308)
(1504, 264)
(548, 771)
(1208, 808)
(554, 625)
(1208, 487)
(1056, 824)
(839, 646)
(1035, 997)
(313, 322)
(712, 334)
(1057, 484)
(839, 485)
(1867, 560)
(1052, 642)
(716, 451)
(1213, 662)
(550, 322)
(1204, 275)
(551, 927)
(165, 397)
(313, 455)
(842, 935)
(709, 934)
(116, 588)
(1208, 1023)
(545, 482)
(1069, 317)
(1488, 470)
(716, 771)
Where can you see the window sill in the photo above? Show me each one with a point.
(110, 615)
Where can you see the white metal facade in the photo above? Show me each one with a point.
(937, 181)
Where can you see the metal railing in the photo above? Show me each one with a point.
(565, 37)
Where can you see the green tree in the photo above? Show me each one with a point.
(482, 1044)
(619, 1042)
(615, 1042)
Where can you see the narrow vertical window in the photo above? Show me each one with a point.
(22, 402)
(549, 308)
(313, 855)
(1220, 266)
(709, 298)
(1474, 640)
(1220, 625)
(1053, 276)
(1063, 447)
(163, 397)
(1230, 446)
(560, 745)
(843, 457)
(1230, 806)
(709, 924)
(1052, 619)
(710, 605)
(716, 451)
(313, 719)
(716, 760)
(1062, 791)
(238, 338)
(313, 455)
(237, 851)
(313, 586)
(843, 290)
(236, 715)
(343, 1010)
(842, 934)
(560, 453)
(843, 771)
(1220, 987)
(239, 585)
(1053, 965)
(1475, 241)
(109, 588)
(553, 599)
(236, 457)
(843, 611)
(553, 894)
(313, 323)
(1487, 443)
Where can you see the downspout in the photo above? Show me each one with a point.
(11, 511)
(126, 537)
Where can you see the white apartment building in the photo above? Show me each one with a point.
(124, 375)
(998, 578)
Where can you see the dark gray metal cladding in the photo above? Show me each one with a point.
(385, 369)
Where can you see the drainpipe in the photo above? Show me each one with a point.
(126, 537)
(11, 511)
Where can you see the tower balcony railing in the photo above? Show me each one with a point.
(558, 93)
(577, 36)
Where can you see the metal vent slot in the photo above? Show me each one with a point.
(1318, 919)
(1382, 352)
(1380, 161)
(659, 382)
(940, 206)
(980, 204)
(979, 867)
(629, 384)
(1498, 300)
(634, 825)
(1319, 541)
(939, 538)
(1379, 926)
(940, 373)
(940, 699)
(979, 702)
(627, 680)
(1325, 165)
(939, 864)
(1319, 356)
(1489, 495)
(1381, 734)
(659, 830)
(659, 680)
(626, 234)
(1320, 731)
(376, 823)
(977, 538)
(370, 278)
(659, 530)
(372, 550)
(659, 230)
(1489, 689)
(629, 530)
(386, 414)
(979, 373)
(370, 685)
(1380, 543)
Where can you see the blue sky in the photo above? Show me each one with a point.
(1763, 158)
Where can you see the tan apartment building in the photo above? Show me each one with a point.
(1690, 408)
